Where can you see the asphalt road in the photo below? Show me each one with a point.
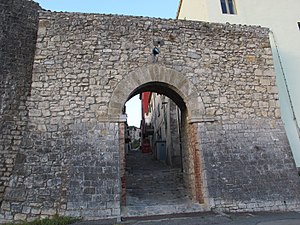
(208, 218)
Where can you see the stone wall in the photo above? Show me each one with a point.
(85, 68)
(174, 124)
(246, 167)
(18, 33)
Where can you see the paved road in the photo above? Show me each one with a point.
(209, 218)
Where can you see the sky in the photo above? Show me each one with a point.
(150, 8)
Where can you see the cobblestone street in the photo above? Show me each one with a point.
(153, 188)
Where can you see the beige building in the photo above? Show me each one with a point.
(283, 19)
(165, 118)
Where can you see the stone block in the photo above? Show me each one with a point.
(26, 210)
(20, 217)
(49, 212)
(15, 194)
(36, 211)
(75, 214)
(6, 206)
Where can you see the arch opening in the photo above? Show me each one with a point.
(162, 170)
(163, 89)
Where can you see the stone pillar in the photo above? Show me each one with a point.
(122, 127)
(191, 160)
(195, 147)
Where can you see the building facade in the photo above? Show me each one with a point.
(134, 132)
(283, 19)
(166, 122)
(134, 136)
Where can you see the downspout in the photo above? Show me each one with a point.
(286, 84)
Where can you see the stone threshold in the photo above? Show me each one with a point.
(157, 210)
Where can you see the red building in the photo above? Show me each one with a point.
(145, 142)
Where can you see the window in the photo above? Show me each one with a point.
(228, 7)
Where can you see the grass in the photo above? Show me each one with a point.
(56, 220)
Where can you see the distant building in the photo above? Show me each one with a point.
(283, 19)
(134, 134)
(166, 122)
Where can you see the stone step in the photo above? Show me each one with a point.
(154, 188)
(135, 211)
(164, 200)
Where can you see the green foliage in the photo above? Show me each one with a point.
(56, 220)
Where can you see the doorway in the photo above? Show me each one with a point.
(160, 176)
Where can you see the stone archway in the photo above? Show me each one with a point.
(60, 142)
(154, 73)
(179, 88)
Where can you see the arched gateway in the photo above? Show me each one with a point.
(157, 78)
(64, 84)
